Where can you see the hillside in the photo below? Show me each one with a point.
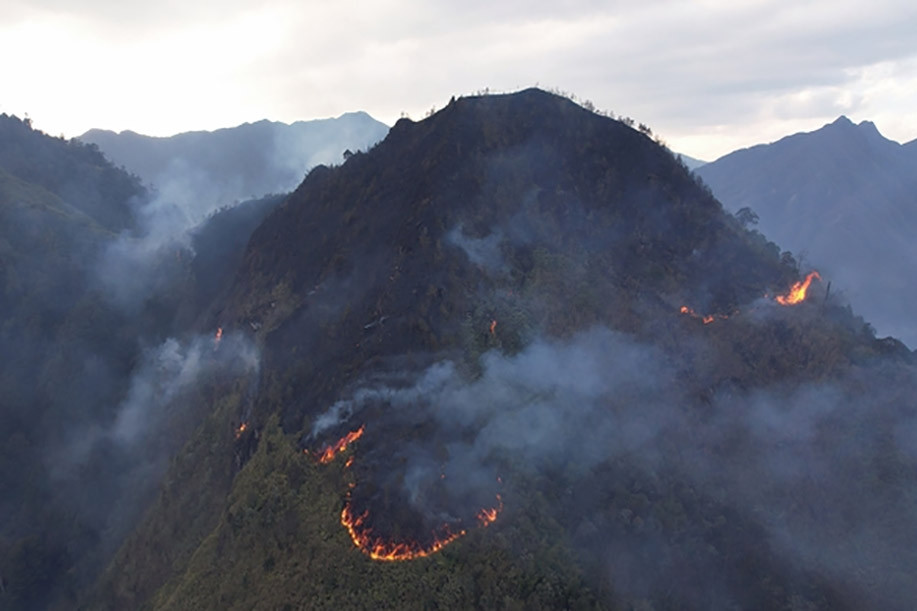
(73, 172)
(498, 311)
(845, 198)
(206, 170)
(90, 384)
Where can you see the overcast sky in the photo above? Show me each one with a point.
(709, 76)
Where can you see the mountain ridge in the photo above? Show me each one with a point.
(844, 195)
(206, 170)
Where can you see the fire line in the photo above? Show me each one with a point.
(379, 548)
(329, 453)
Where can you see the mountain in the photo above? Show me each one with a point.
(77, 174)
(89, 384)
(845, 198)
(515, 356)
(213, 169)
(691, 162)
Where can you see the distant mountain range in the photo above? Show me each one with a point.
(205, 169)
(691, 162)
(844, 199)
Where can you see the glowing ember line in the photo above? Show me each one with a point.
(378, 548)
(217, 337)
(706, 319)
(797, 293)
(493, 327)
(331, 451)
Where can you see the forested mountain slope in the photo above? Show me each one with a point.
(514, 356)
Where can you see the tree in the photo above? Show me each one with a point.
(746, 216)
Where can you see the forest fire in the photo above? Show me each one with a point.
(241, 429)
(706, 319)
(378, 548)
(689, 312)
(336, 448)
(493, 327)
(486, 517)
(797, 293)
(217, 337)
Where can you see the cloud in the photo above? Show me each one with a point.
(706, 76)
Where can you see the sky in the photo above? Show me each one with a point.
(708, 76)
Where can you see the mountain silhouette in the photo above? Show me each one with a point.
(205, 170)
(843, 197)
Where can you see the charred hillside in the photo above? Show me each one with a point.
(515, 356)
(486, 196)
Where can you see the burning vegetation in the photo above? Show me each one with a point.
(486, 517)
(386, 550)
(241, 429)
(330, 452)
(705, 319)
(797, 293)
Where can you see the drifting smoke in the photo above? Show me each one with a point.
(142, 262)
(173, 368)
(163, 377)
(802, 465)
(484, 252)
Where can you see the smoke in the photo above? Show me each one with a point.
(159, 386)
(484, 252)
(823, 475)
(105, 471)
(173, 368)
(144, 261)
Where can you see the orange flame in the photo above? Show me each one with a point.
(493, 327)
(333, 450)
(707, 319)
(488, 516)
(217, 337)
(241, 429)
(378, 548)
(797, 293)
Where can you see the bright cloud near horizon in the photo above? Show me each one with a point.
(708, 76)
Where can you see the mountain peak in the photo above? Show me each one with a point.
(841, 121)
(869, 128)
